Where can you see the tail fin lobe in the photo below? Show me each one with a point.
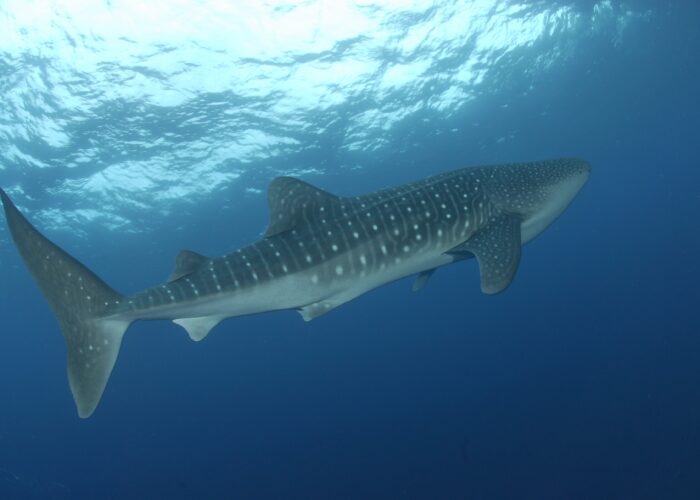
(81, 302)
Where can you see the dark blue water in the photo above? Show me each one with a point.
(127, 139)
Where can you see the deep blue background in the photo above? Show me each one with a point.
(582, 380)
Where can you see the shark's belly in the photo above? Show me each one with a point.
(349, 285)
(327, 285)
(395, 271)
(280, 293)
(324, 285)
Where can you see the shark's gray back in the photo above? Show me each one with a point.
(320, 250)
(359, 235)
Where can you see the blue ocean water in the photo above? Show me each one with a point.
(131, 130)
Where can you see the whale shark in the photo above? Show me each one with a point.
(320, 251)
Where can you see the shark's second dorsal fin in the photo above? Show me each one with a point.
(186, 263)
(293, 202)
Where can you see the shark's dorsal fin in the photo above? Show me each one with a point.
(497, 249)
(294, 202)
(186, 263)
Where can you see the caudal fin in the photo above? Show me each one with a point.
(80, 300)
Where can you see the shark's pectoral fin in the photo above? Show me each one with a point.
(422, 279)
(294, 202)
(186, 263)
(497, 249)
(198, 328)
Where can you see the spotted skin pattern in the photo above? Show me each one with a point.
(320, 251)
(355, 236)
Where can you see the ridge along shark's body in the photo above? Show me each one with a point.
(319, 252)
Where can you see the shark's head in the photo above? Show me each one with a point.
(537, 191)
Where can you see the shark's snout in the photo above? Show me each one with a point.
(573, 176)
(551, 186)
(583, 169)
(576, 169)
(583, 172)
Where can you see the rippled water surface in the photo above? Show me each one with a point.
(119, 106)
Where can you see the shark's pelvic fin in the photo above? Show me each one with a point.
(497, 249)
(198, 328)
(313, 311)
(78, 299)
(186, 263)
(316, 309)
(422, 279)
(294, 202)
